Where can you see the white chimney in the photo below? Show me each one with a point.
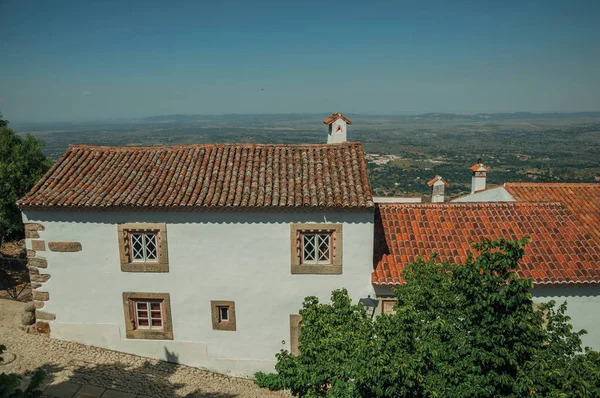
(438, 185)
(479, 176)
(337, 127)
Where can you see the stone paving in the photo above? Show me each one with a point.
(76, 370)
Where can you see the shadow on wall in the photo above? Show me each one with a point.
(147, 377)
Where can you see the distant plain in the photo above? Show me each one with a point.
(516, 147)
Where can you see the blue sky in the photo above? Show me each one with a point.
(94, 60)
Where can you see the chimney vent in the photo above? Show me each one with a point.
(478, 179)
(337, 124)
(438, 185)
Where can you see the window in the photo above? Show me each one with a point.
(143, 247)
(316, 248)
(147, 316)
(223, 315)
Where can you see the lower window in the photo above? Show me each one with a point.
(148, 316)
(223, 315)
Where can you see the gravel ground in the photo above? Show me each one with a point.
(78, 363)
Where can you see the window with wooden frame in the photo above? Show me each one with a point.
(223, 315)
(143, 247)
(316, 248)
(147, 316)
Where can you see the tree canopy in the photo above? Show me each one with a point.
(22, 163)
(459, 330)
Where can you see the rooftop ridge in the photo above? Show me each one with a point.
(551, 184)
(473, 204)
(211, 145)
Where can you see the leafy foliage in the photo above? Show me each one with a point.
(460, 330)
(9, 384)
(22, 163)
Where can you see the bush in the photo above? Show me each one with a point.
(460, 330)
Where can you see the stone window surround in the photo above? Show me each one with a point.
(335, 268)
(295, 330)
(162, 265)
(229, 325)
(166, 333)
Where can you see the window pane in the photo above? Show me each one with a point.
(137, 247)
(157, 323)
(151, 249)
(309, 247)
(142, 306)
(323, 247)
(155, 306)
(156, 314)
(143, 322)
(224, 313)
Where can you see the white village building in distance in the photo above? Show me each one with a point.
(203, 254)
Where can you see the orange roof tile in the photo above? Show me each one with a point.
(562, 249)
(582, 199)
(335, 116)
(205, 176)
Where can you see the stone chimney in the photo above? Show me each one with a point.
(438, 185)
(337, 127)
(479, 176)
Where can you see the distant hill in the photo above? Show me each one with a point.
(179, 118)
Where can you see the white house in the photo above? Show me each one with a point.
(203, 254)
(198, 254)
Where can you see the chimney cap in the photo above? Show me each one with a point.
(335, 116)
(436, 179)
(479, 167)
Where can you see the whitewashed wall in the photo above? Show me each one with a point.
(583, 304)
(244, 257)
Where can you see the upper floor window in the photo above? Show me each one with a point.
(316, 248)
(143, 247)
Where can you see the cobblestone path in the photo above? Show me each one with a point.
(69, 363)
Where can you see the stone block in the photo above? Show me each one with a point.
(30, 253)
(64, 246)
(42, 328)
(44, 316)
(38, 304)
(41, 278)
(38, 245)
(27, 318)
(34, 227)
(42, 296)
(62, 389)
(88, 391)
(31, 234)
(37, 262)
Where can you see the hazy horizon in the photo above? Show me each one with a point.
(113, 60)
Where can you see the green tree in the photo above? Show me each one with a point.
(22, 163)
(460, 330)
(3, 123)
(10, 383)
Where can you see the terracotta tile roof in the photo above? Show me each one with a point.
(562, 249)
(335, 116)
(206, 176)
(582, 199)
